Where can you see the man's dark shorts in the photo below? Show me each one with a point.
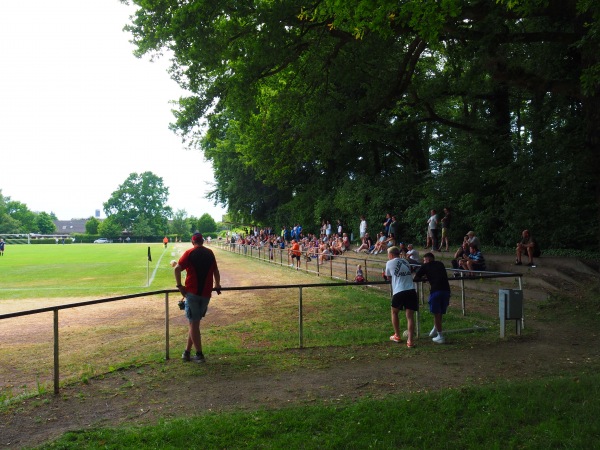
(195, 307)
(439, 301)
(406, 300)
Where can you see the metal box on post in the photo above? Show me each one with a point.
(510, 302)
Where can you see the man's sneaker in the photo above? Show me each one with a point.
(531, 264)
(395, 338)
(439, 339)
(410, 344)
(518, 263)
(186, 356)
(433, 333)
(199, 358)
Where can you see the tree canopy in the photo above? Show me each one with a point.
(142, 200)
(335, 109)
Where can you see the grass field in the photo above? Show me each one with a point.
(84, 270)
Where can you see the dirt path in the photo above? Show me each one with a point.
(128, 396)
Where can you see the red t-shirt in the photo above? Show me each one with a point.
(200, 264)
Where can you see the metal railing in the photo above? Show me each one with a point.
(55, 309)
(336, 266)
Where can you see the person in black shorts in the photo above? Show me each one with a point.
(404, 295)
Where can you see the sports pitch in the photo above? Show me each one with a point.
(85, 270)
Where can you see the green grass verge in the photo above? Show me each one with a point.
(555, 412)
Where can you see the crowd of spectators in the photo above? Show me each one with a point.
(333, 241)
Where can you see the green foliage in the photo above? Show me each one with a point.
(363, 107)
(91, 226)
(206, 224)
(179, 226)
(110, 228)
(142, 198)
(45, 224)
(16, 218)
(141, 227)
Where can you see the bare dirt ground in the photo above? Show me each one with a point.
(137, 396)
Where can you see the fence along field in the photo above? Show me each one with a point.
(36, 276)
(101, 338)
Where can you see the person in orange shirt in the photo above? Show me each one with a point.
(295, 253)
(165, 241)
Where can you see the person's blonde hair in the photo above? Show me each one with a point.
(394, 250)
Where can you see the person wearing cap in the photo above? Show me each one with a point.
(404, 295)
(201, 268)
(472, 239)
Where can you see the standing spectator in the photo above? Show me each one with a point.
(445, 229)
(295, 253)
(2, 244)
(201, 267)
(339, 228)
(328, 230)
(439, 295)
(386, 224)
(165, 241)
(404, 295)
(362, 228)
(432, 224)
(394, 228)
(529, 246)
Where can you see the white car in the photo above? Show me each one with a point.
(101, 241)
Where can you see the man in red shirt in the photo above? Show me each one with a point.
(201, 267)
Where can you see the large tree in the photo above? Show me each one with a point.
(333, 109)
(142, 197)
(45, 223)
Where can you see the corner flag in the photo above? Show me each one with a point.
(149, 255)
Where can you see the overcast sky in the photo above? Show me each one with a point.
(79, 113)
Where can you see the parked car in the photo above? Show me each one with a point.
(102, 241)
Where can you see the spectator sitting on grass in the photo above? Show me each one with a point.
(366, 245)
(345, 242)
(528, 246)
(412, 255)
(474, 261)
(380, 244)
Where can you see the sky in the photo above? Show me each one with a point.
(79, 113)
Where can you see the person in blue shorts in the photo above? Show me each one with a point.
(201, 269)
(439, 297)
